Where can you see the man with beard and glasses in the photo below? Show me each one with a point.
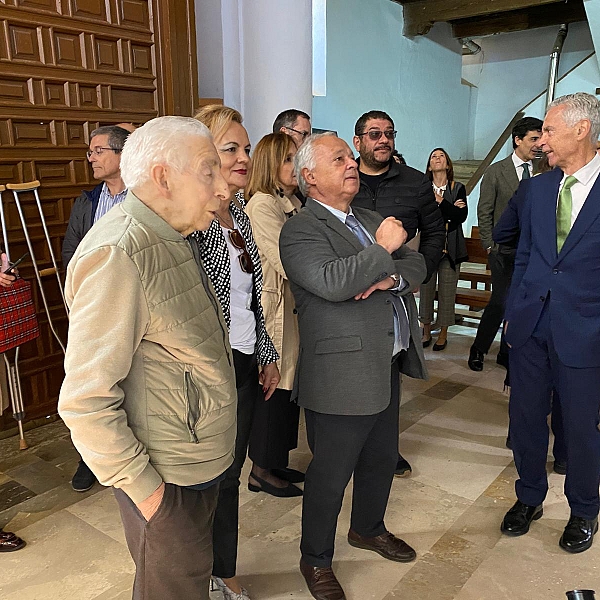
(396, 190)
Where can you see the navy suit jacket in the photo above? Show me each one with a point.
(571, 278)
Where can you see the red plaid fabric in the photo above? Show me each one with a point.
(18, 323)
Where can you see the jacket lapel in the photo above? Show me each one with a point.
(333, 222)
(510, 173)
(587, 215)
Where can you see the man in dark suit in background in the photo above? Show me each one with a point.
(352, 279)
(395, 190)
(553, 322)
(497, 187)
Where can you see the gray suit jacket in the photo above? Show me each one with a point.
(346, 345)
(497, 187)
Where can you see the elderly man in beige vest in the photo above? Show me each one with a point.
(149, 391)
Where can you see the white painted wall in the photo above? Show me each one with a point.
(209, 41)
(257, 56)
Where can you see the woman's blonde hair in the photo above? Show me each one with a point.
(218, 118)
(268, 157)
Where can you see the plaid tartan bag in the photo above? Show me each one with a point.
(18, 322)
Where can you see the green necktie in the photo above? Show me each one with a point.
(526, 173)
(563, 212)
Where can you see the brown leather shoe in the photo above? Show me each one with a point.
(321, 582)
(386, 545)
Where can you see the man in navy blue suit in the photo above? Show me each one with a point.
(553, 322)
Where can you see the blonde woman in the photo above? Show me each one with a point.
(272, 202)
(231, 261)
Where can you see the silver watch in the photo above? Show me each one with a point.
(396, 279)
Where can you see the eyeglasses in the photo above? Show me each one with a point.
(237, 239)
(304, 134)
(375, 134)
(99, 151)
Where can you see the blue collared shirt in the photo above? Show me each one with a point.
(341, 215)
(106, 201)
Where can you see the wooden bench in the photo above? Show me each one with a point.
(475, 298)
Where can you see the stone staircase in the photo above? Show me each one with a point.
(465, 169)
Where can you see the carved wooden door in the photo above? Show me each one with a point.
(67, 67)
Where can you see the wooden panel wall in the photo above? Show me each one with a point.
(67, 67)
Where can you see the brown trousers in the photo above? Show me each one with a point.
(172, 552)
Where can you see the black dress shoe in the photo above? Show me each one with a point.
(403, 468)
(578, 535)
(288, 474)
(83, 479)
(518, 519)
(476, 359)
(291, 491)
(427, 343)
(437, 347)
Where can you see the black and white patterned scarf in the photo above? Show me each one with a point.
(214, 253)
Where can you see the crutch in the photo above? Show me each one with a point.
(12, 370)
(32, 186)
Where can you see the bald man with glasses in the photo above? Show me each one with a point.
(104, 156)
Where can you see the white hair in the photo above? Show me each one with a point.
(305, 158)
(160, 141)
(578, 107)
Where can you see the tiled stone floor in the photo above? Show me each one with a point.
(453, 433)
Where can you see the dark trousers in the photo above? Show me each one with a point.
(274, 430)
(501, 266)
(225, 531)
(173, 551)
(342, 445)
(535, 370)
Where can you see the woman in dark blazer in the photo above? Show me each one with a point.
(451, 197)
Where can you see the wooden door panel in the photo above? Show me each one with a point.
(67, 67)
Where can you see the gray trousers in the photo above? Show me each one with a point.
(173, 551)
(446, 278)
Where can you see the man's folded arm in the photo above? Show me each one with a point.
(108, 318)
(411, 266)
(310, 261)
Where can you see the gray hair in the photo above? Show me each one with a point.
(578, 107)
(160, 141)
(305, 158)
(116, 136)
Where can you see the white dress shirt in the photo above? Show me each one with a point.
(519, 166)
(586, 177)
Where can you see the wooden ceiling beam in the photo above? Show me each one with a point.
(520, 20)
(420, 16)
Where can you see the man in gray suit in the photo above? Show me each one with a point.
(498, 185)
(352, 279)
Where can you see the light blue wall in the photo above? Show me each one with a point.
(592, 9)
(371, 65)
(512, 69)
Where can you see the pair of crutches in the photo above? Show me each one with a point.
(14, 380)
